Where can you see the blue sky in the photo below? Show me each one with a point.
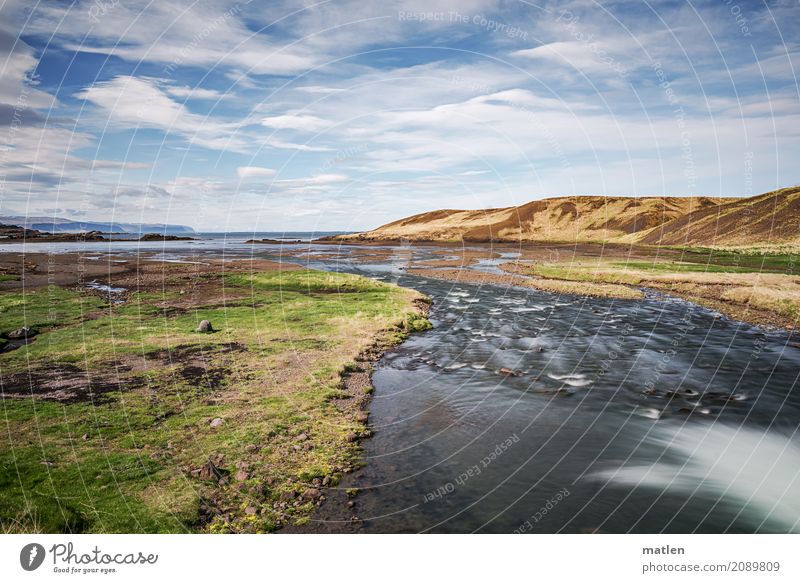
(344, 115)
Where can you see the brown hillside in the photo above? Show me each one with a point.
(770, 218)
(578, 218)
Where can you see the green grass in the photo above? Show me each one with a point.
(299, 331)
(629, 271)
(747, 260)
(45, 308)
(680, 267)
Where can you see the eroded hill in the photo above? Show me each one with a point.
(770, 218)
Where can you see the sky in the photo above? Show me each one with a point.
(292, 115)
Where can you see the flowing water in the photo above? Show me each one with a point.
(532, 412)
(525, 411)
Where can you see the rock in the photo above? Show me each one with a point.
(242, 475)
(162, 237)
(21, 333)
(351, 437)
(216, 422)
(85, 436)
(362, 416)
(302, 437)
(205, 326)
(312, 494)
(508, 372)
(250, 510)
(350, 503)
(326, 481)
(209, 471)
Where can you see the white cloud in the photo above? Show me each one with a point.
(294, 122)
(310, 182)
(327, 179)
(174, 34)
(255, 172)
(187, 92)
(133, 102)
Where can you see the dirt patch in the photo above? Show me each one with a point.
(66, 384)
(200, 366)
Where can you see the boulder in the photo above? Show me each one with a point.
(312, 494)
(210, 471)
(217, 422)
(21, 333)
(205, 326)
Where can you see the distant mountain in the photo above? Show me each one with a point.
(58, 225)
(768, 218)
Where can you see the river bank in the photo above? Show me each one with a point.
(121, 416)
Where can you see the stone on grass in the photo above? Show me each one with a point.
(205, 326)
(210, 471)
(217, 422)
(312, 494)
(21, 333)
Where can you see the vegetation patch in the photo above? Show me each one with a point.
(747, 287)
(123, 418)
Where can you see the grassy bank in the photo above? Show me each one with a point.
(122, 418)
(752, 287)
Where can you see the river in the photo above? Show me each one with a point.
(525, 411)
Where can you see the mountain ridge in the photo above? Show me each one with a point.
(61, 225)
